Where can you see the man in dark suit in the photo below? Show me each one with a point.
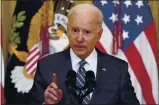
(113, 84)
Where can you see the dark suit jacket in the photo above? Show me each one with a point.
(113, 86)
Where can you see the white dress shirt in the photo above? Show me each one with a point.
(90, 65)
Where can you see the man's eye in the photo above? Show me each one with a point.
(86, 32)
(75, 30)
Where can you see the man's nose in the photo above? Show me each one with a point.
(80, 37)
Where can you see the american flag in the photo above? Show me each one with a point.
(33, 57)
(139, 44)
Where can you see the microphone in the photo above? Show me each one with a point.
(70, 83)
(89, 84)
(70, 80)
(90, 80)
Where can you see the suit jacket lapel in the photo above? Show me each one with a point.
(69, 98)
(102, 65)
(68, 64)
(65, 67)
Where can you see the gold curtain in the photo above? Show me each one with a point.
(154, 5)
(82, 2)
(7, 13)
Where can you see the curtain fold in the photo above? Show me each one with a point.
(154, 5)
(7, 13)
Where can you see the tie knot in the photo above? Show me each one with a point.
(82, 63)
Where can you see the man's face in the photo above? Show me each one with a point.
(83, 33)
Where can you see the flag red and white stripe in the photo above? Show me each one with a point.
(33, 57)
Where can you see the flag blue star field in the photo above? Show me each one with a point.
(129, 33)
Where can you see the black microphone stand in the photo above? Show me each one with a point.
(78, 97)
(81, 97)
(72, 88)
(73, 95)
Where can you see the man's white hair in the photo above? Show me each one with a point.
(88, 8)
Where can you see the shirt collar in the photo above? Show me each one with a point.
(91, 59)
(74, 58)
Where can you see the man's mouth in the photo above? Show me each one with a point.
(80, 47)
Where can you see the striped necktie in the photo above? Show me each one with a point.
(80, 80)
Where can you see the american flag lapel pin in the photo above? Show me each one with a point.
(103, 69)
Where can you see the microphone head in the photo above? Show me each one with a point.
(90, 75)
(70, 80)
(90, 79)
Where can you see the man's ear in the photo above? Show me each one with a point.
(100, 33)
(67, 30)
